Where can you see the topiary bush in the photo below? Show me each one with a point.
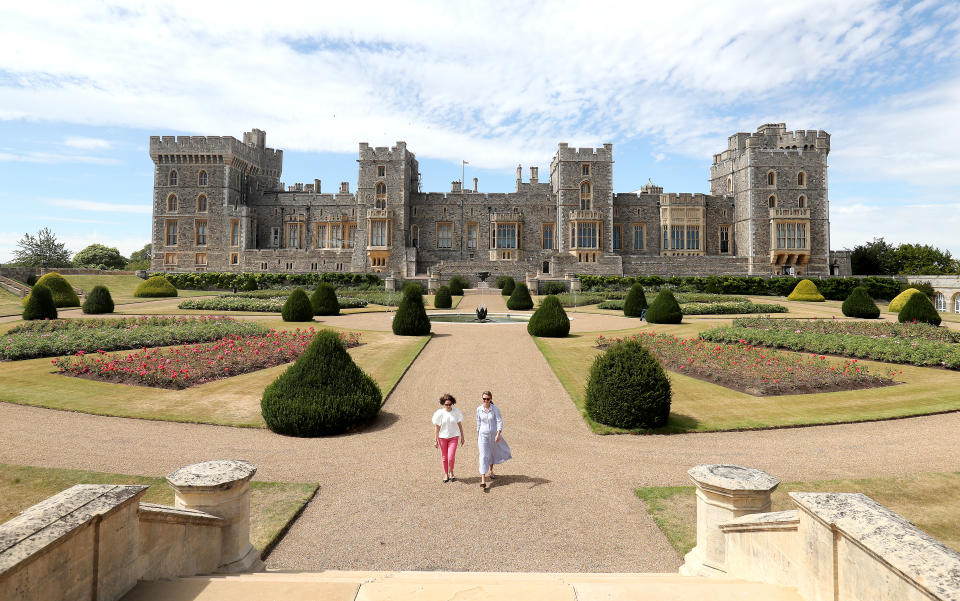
(520, 299)
(554, 288)
(39, 304)
(324, 300)
(919, 309)
(60, 290)
(859, 304)
(411, 318)
(323, 393)
(98, 301)
(297, 307)
(806, 290)
(664, 309)
(549, 320)
(628, 388)
(457, 284)
(635, 302)
(506, 284)
(901, 299)
(442, 299)
(155, 287)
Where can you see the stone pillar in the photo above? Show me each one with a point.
(433, 283)
(533, 283)
(574, 283)
(724, 492)
(390, 284)
(222, 488)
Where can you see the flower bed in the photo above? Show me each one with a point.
(255, 304)
(730, 308)
(754, 370)
(67, 336)
(184, 366)
(873, 329)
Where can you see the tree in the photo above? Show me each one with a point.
(140, 259)
(98, 256)
(873, 258)
(42, 250)
(923, 259)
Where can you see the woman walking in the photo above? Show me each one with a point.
(447, 420)
(492, 447)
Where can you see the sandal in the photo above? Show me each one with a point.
(452, 479)
(445, 480)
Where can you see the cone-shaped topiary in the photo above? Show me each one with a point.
(39, 304)
(806, 290)
(323, 393)
(635, 302)
(442, 299)
(60, 289)
(297, 307)
(628, 388)
(549, 320)
(859, 304)
(457, 284)
(664, 309)
(156, 287)
(520, 299)
(919, 309)
(324, 300)
(411, 318)
(506, 285)
(98, 301)
(901, 299)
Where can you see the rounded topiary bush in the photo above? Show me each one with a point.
(411, 318)
(506, 284)
(919, 309)
(628, 388)
(297, 307)
(60, 290)
(520, 299)
(155, 287)
(805, 290)
(901, 299)
(457, 284)
(324, 300)
(443, 300)
(664, 309)
(324, 392)
(859, 304)
(98, 301)
(39, 304)
(635, 302)
(549, 320)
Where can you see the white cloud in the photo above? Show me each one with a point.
(75, 220)
(87, 143)
(92, 205)
(31, 156)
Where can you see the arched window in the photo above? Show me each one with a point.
(801, 179)
(173, 177)
(956, 303)
(772, 201)
(202, 203)
(172, 203)
(729, 185)
(381, 198)
(940, 302)
(202, 178)
(586, 196)
(771, 178)
(802, 202)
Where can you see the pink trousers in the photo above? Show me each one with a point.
(448, 452)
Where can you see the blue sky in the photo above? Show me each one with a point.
(84, 85)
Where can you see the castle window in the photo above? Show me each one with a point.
(263, 265)
(202, 178)
(693, 237)
(172, 203)
(202, 204)
(379, 233)
(956, 303)
(802, 202)
(617, 235)
(507, 235)
(171, 230)
(638, 236)
(336, 235)
(771, 178)
(173, 177)
(415, 235)
(586, 196)
(587, 235)
(289, 266)
(548, 242)
(351, 230)
(472, 229)
(585, 169)
(729, 185)
(724, 239)
(170, 259)
(666, 237)
(381, 170)
(940, 302)
(293, 235)
(200, 259)
(321, 235)
(235, 232)
(314, 267)
(381, 197)
(201, 231)
(676, 237)
(772, 201)
(275, 237)
(801, 179)
(791, 236)
(444, 235)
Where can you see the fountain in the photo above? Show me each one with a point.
(481, 313)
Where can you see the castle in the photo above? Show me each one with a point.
(219, 205)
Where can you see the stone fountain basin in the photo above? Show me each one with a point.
(472, 318)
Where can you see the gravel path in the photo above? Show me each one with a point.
(564, 503)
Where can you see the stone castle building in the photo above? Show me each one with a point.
(219, 205)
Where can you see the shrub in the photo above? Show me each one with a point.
(549, 320)
(297, 307)
(664, 309)
(611, 304)
(411, 318)
(457, 284)
(60, 290)
(442, 299)
(249, 284)
(324, 392)
(520, 299)
(39, 304)
(924, 287)
(324, 300)
(506, 284)
(155, 287)
(554, 288)
(806, 290)
(628, 388)
(635, 302)
(901, 299)
(31, 280)
(859, 304)
(919, 309)
(98, 301)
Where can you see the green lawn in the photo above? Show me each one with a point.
(273, 505)
(931, 501)
(10, 303)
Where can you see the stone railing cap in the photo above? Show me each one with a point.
(212, 475)
(733, 477)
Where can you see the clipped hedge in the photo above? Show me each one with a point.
(156, 287)
(60, 290)
(553, 288)
(628, 388)
(323, 393)
(635, 302)
(39, 304)
(919, 309)
(520, 299)
(901, 299)
(664, 309)
(252, 281)
(806, 291)
(549, 320)
(859, 304)
(98, 301)
(411, 317)
(297, 307)
(324, 300)
(506, 284)
(457, 284)
(442, 299)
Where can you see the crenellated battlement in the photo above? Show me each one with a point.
(225, 148)
(683, 198)
(383, 153)
(565, 153)
(774, 136)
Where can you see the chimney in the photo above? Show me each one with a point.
(519, 176)
(475, 184)
(344, 187)
(316, 186)
(534, 177)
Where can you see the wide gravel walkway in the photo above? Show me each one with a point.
(564, 503)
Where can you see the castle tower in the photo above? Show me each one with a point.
(778, 181)
(582, 181)
(386, 177)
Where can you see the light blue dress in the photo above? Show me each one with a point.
(488, 424)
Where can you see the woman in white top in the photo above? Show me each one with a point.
(491, 446)
(447, 421)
